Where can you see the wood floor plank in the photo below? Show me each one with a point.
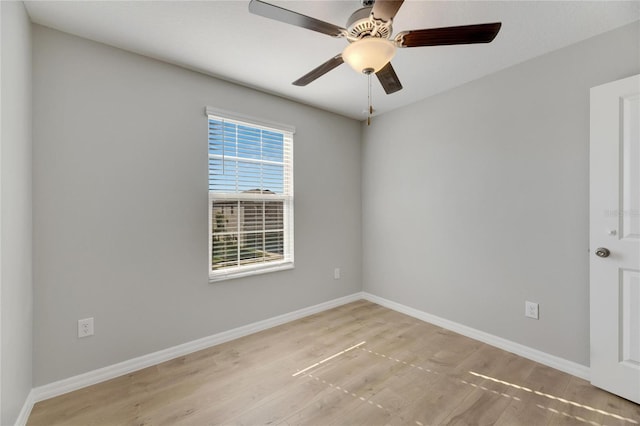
(358, 364)
(547, 382)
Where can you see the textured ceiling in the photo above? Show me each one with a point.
(222, 39)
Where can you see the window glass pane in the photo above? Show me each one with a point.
(224, 217)
(274, 245)
(252, 247)
(222, 175)
(225, 251)
(272, 147)
(249, 142)
(274, 215)
(251, 218)
(249, 176)
(272, 176)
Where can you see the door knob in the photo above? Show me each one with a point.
(602, 252)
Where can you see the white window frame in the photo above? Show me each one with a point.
(287, 197)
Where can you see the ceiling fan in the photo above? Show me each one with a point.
(369, 31)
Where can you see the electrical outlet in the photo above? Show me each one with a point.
(531, 310)
(85, 327)
(336, 274)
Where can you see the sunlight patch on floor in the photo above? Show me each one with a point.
(491, 390)
(555, 398)
(399, 361)
(346, 392)
(580, 419)
(329, 358)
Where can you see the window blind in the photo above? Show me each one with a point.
(250, 197)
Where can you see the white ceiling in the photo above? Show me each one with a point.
(222, 39)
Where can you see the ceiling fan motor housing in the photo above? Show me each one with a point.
(360, 24)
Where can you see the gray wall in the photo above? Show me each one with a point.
(120, 207)
(477, 199)
(16, 288)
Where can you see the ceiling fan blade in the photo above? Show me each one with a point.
(465, 34)
(386, 9)
(389, 80)
(319, 71)
(287, 16)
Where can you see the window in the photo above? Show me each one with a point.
(250, 196)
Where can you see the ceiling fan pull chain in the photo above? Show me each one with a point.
(369, 99)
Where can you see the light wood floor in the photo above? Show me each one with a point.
(406, 372)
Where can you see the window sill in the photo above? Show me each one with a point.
(247, 272)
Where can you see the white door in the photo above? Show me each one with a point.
(615, 237)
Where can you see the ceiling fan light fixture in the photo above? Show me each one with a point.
(369, 54)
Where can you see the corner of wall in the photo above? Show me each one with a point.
(16, 230)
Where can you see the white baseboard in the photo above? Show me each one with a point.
(552, 361)
(106, 373)
(23, 416)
